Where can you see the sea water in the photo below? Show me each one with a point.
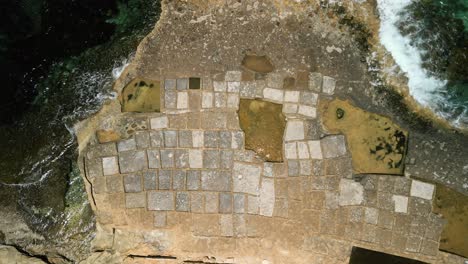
(428, 40)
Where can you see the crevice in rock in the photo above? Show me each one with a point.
(151, 257)
(89, 182)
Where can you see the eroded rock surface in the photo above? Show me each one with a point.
(182, 186)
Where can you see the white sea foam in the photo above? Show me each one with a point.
(424, 88)
(119, 68)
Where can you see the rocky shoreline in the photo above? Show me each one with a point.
(210, 40)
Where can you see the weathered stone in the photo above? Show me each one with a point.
(212, 180)
(248, 89)
(237, 140)
(194, 102)
(268, 169)
(185, 139)
(182, 84)
(193, 180)
(233, 101)
(267, 197)
(225, 203)
(253, 204)
(333, 146)
(290, 108)
(170, 138)
(197, 139)
(142, 139)
(419, 206)
(302, 150)
(240, 225)
(135, 200)
(371, 216)
(211, 159)
(132, 161)
(315, 81)
(157, 139)
(276, 95)
(315, 149)
(351, 192)
(178, 121)
(305, 167)
(167, 158)
(169, 84)
(160, 219)
(290, 150)
(220, 100)
(170, 99)
(291, 96)
(233, 76)
(239, 203)
(160, 201)
(246, 178)
(164, 180)
(328, 85)
(196, 158)
(99, 185)
(213, 120)
(211, 203)
(211, 139)
(182, 202)
(233, 87)
(154, 159)
(219, 86)
(181, 158)
(110, 165)
(226, 159)
(225, 222)
(196, 202)
(178, 180)
(413, 244)
(275, 80)
(309, 98)
(127, 144)
(182, 100)
(159, 122)
(293, 168)
(101, 150)
(294, 130)
(93, 167)
(207, 99)
(307, 111)
(150, 179)
(132, 183)
(114, 184)
(422, 190)
(401, 203)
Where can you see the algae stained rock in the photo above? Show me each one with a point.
(263, 124)
(453, 206)
(259, 64)
(377, 145)
(141, 96)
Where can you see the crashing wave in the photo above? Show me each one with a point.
(426, 89)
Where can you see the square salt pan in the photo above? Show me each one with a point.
(422, 190)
